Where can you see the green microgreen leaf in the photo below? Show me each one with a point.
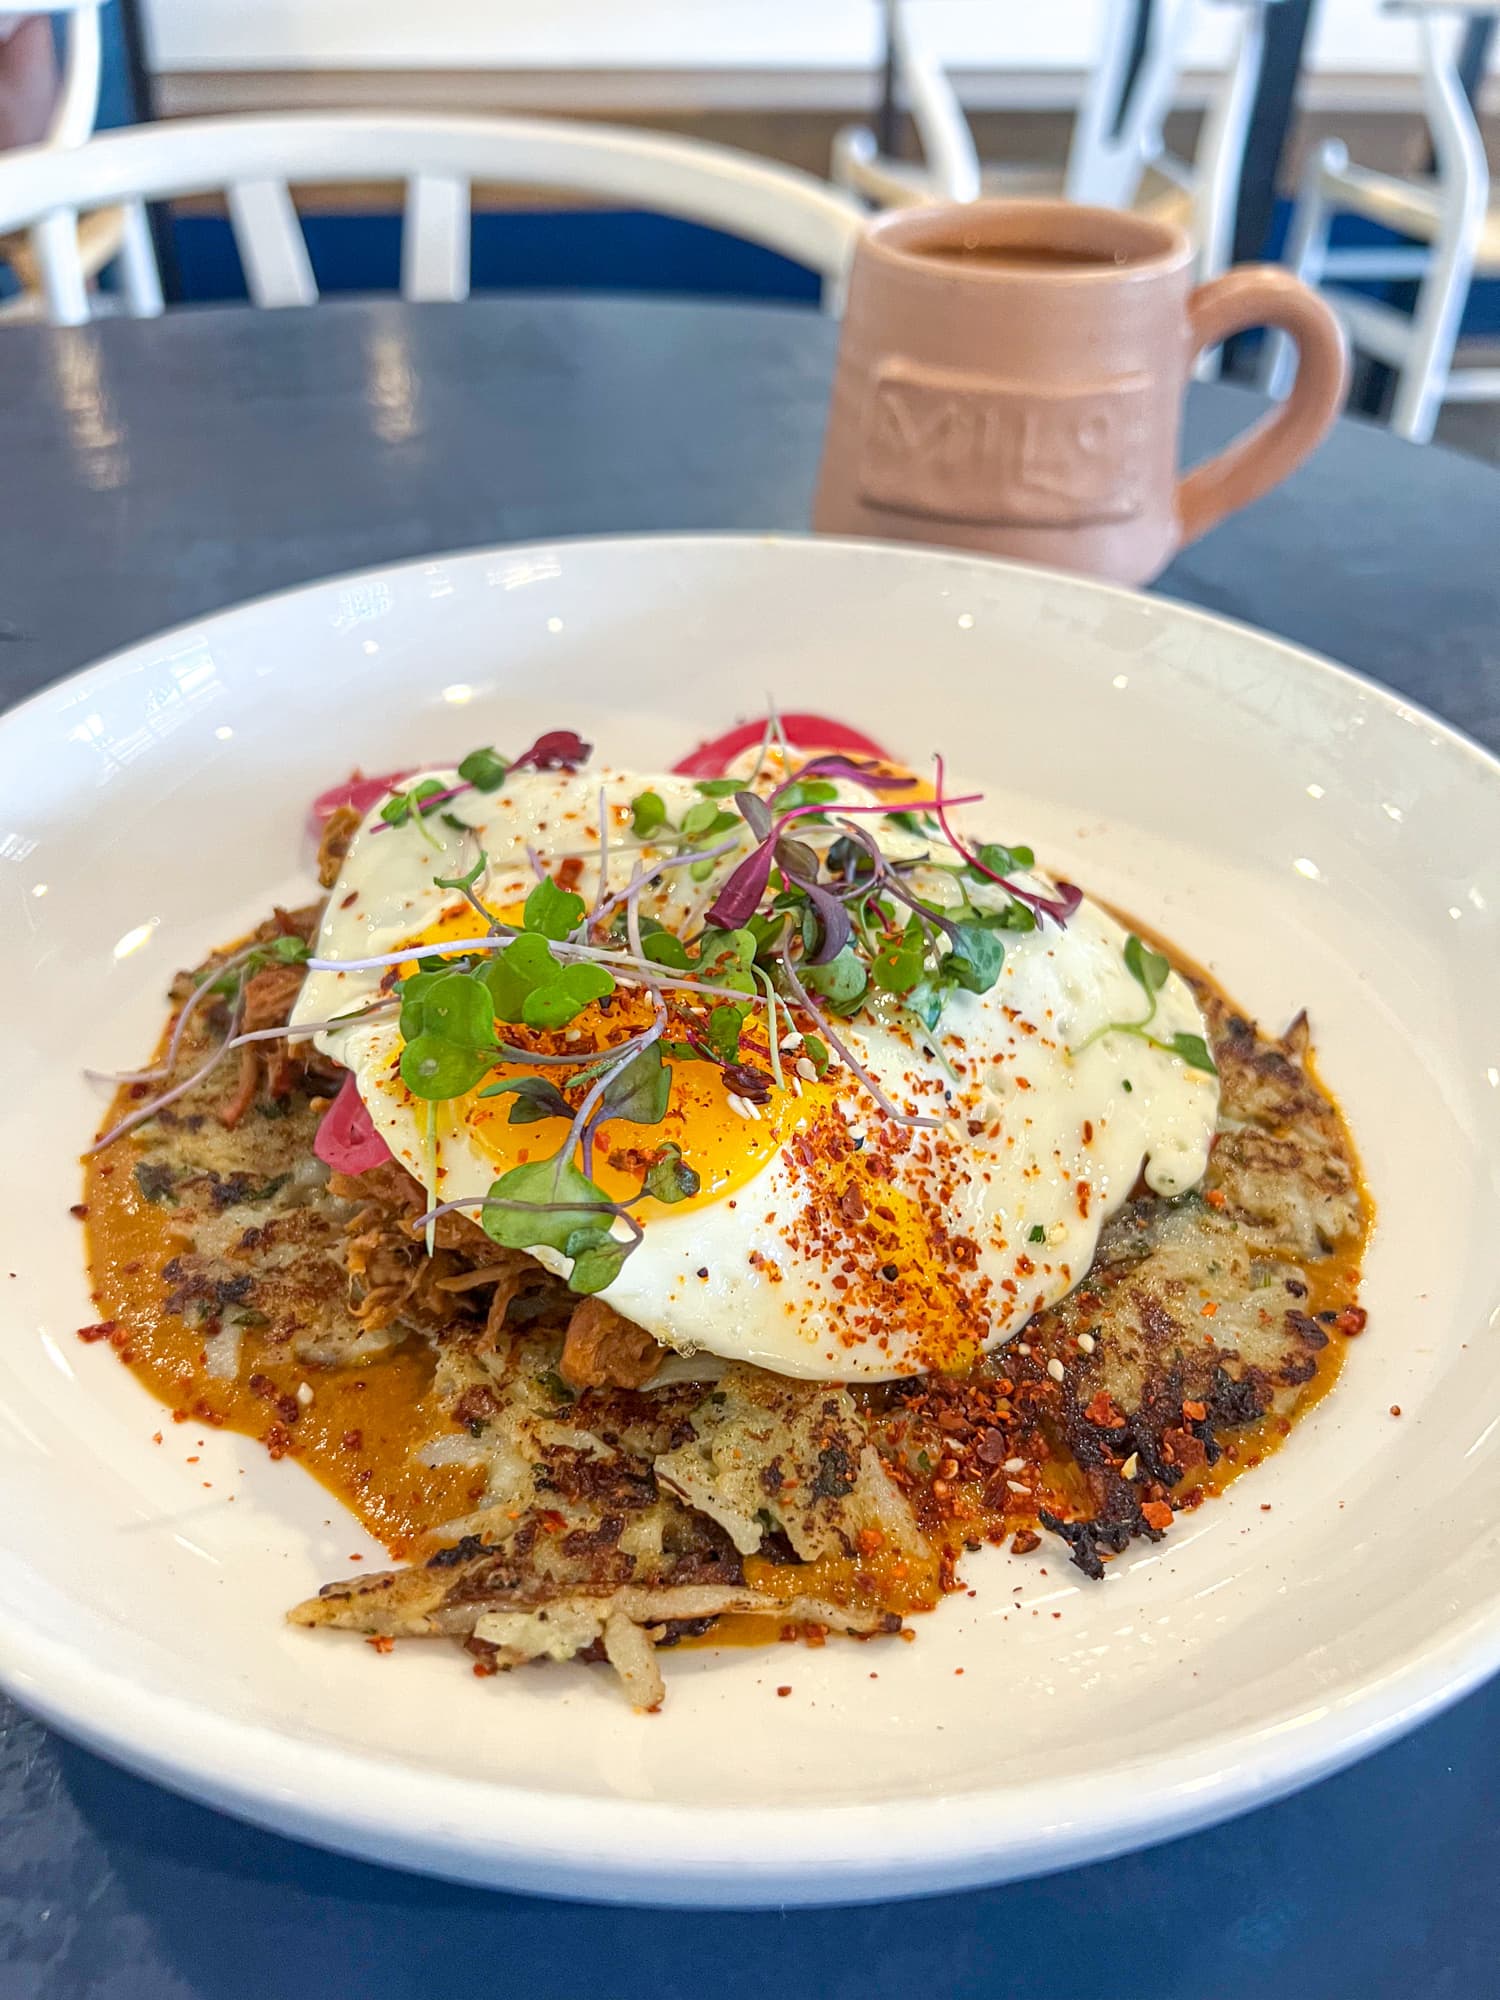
(1148, 968)
(640, 1091)
(842, 982)
(816, 1052)
(669, 1178)
(566, 996)
(700, 816)
(719, 788)
(435, 1068)
(483, 770)
(398, 810)
(552, 912)
(899, 963)
(1036, 1233)
(701, 870)
(597, 1257)
(664, 947)
(975, 960)
(806, 792)
(552, 1198)
(927, 1000)
(1194, 1051)
(725, 1025)
(287, 950)
(647, 812)
(536, 1097)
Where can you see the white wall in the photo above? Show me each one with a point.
(1353, 37)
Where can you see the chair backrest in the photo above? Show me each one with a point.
(77, 104)
(254, 161)
(1118, 130)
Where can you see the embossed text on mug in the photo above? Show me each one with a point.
(972, 447)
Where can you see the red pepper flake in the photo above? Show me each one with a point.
(192, 1458)
(1024, 1541)
(1216, 1198)
(79, 1210)
(1195, 1412)
(382, 1643)
(1352, 1320)
(783, 1690)
(1209, 1308)
(1395, 1409)
(1104, 1411)
(156, 1437)
(1157, 1514)
(106, 1329)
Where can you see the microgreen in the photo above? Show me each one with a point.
(647, 813)
(975, 960)
(718, 788)
(401, 806)
(1150, 970)
(816, 1053)
(842, 982)
(466, 880)
(725, 1026)
(484, 770)
(536, 1097)
(1036, 1233)
(553, 912)
(556, 750)
(669, 1178)
(639, 1091)
(900, 962)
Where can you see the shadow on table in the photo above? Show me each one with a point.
(1378, 1881)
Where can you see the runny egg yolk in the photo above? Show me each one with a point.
(724, 1144)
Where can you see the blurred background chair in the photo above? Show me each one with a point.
(1448, 210)
(1117, 155)
(255, 161)
(110, 234)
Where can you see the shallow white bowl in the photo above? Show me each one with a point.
(1308, 836)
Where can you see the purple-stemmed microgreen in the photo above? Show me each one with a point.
(1059, 907)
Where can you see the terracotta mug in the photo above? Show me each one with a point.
(1011, 375)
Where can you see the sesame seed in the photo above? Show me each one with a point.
(1086, 1342)
(304, 1393)
(806, 1070)
(1131, 1466)
(1022, 1347)
(1016, 1486)
(1055, 1369)
(1015, 1465)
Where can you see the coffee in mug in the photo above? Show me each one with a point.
(1010, 379)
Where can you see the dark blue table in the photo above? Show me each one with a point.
(151, 473)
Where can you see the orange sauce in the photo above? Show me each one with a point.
(357, 1433)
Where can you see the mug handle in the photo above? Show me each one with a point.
(1264, 295)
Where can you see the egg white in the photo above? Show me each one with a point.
(1038, 1147)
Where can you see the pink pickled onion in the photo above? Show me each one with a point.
(807, 732)
(361, 793)
(347, 1140)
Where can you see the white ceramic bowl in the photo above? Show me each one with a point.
(1310, 837)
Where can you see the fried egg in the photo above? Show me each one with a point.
(826, 1239)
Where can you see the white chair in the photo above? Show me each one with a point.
(255, 160)
(1116, 157)
(1449, 211)
(115, 233)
